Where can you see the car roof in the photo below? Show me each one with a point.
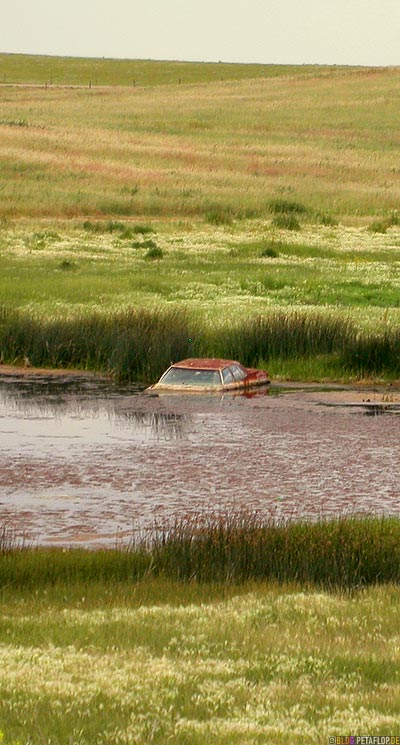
(205, 363)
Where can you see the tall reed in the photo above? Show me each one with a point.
(284, 334)
(224, 548)
(132, 345)
(139, 344)
(375, 354)
(344, 552)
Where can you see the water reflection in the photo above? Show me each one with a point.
(108, 406)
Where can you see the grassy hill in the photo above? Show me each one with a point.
(41, 69)
(323, 136)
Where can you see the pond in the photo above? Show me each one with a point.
(86, 462)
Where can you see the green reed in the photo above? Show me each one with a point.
(132, 345)
(284, 334)
(345, 552)
(138, 345)
(374, 354)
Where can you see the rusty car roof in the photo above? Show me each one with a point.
(205, 363)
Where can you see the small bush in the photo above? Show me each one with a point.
(149, 243)
(154, 253)
(269, 252)
(286, 222)
(287, 207)
(142, 229)
(67, 265)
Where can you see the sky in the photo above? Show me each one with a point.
(343, 32)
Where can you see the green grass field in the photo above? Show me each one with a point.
(319, 302)
(164, 662)
(192, 639)
(325, 137)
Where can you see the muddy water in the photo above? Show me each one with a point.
(83, 461)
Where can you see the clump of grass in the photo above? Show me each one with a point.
(139, 344)
(148, 243)
(324, 218)
(10, 543)
(14, 122)
(154, 253)
(111, 226)
(67, 265)
(131, 345)
(286, 221)
(284, 335)
(269, 252)
(220, 216)
(344, 552)
(374, 353)
(287, 207)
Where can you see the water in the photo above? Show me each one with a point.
(83, 461)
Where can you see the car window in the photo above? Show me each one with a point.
(183, 376)
(238, 372)
(227, 375)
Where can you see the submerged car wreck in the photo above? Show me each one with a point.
(207, 375)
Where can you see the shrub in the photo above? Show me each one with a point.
(287, 207)
(142, 229)
(154, 253)
(269, 252)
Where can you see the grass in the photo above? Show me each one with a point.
(190, 637)
(269, 194)
(131, 345)
(52, 71)
(140, 345)
(121, 197)
(157, 661)
(322, 305)
(339, 554)
(218, 150)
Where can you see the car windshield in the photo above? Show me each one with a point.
(184, 376)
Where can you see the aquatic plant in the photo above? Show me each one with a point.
(226, 548)
(137, 345)
(343, 552)
(132, 345)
